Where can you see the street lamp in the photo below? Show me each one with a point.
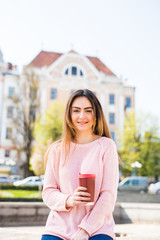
(134, 166)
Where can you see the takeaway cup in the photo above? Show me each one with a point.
(88, 181)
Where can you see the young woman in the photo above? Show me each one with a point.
(86, 148)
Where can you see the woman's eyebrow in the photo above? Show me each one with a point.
(84, 108)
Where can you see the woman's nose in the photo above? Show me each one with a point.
(82, 114)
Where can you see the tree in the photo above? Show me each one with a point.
(49, 126)
(27, 108)
(47, 129)
(130, 142)
(141, 143)
(150, 155)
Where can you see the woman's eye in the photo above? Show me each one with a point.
(88, 111)
(75, 111)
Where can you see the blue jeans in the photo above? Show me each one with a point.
(96, 237)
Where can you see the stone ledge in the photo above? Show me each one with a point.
(36, 213)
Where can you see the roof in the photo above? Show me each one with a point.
(45, 58)
(100, 66)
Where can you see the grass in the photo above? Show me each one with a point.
(20, 194)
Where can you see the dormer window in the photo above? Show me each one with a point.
(74, 71)
(66, 72)
(81, 73)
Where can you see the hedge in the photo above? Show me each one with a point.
(11, 186)
(21, 200)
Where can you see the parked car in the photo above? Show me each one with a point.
(5, 179)
(29, 181)
(154, 188)
(135, 183)
(15, 178)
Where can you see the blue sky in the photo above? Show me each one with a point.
(124, 34)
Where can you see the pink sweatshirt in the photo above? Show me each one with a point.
(98, 157)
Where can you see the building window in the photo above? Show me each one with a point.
(32, 113)
(72, 91)
(81, 73)
(7, 153)
(53, 93)
(111, 99)
(10, 92)
(128, 102)
(111, 118)
(113, 135)
(74, 71)
(66, 72)
(10, 112)
(8, 133)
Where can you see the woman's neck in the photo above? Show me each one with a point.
(86, 137)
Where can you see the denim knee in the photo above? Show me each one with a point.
(100, 237)
(50, 237)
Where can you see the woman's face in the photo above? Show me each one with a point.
(82, 115)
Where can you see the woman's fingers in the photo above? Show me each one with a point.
(80, 189)
(80, 203)
(83, 194)
(82, 198)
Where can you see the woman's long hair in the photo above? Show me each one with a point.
(99, 126)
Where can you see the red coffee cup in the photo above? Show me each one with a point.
(88, 181)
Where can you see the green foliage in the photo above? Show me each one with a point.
(37, 157)
(131, 144)
(49, 126)
(47, 129)
(141, 143)
(150, 154)
(19, 194)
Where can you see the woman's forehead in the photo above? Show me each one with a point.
(81, 102)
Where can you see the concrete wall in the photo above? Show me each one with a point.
(32, 214)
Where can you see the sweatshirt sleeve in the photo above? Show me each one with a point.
(51, 194)
(103, 208)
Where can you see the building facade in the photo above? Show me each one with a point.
(60, 74)
(9, 88)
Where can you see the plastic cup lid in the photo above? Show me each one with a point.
(87, 175)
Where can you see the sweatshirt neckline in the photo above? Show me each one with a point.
(85, 145)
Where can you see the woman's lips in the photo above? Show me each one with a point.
(82, 123)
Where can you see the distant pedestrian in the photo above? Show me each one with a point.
(86, 148)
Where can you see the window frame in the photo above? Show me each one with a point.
(10, 110)
(112, 118)
(79, 71)
(113, 135)
(7, 153)
(128, 105)
(53, 93)
(11, 92)
(8, 133)
(74, 71)
(112, 100)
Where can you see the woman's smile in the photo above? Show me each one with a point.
(82, 123)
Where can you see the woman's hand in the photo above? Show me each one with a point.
(80, 235)
(79, 197)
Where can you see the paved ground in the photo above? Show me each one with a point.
(123, 232)
(135, 197)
